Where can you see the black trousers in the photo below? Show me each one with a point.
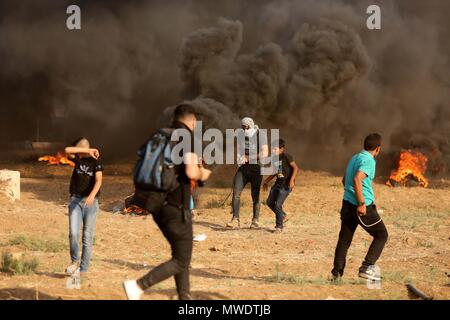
(350, 220)
(247, 173)
(177, 228)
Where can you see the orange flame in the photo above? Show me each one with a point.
(412, 164)
(58, 159)
(134, 210)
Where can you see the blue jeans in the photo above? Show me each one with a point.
(80, 214)
(277, 196)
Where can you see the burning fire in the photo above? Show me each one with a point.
(412, 165)
(134, 210)
(58, 159)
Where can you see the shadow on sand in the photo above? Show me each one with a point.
(196, 295)
(222, 228)
(25, 294)
(209, 273)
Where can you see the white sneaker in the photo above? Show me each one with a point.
(132, 290)
(371, 273)
(72, 268)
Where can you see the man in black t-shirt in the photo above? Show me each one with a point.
(285, 183)
(83, 177)
(175, 220)
(84, 191)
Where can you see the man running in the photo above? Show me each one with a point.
(175, 220)
(359, 208)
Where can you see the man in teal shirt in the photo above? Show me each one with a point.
(358, 208)
(366, 163)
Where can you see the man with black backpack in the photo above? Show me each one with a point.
(171, 214)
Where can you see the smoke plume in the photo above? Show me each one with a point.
(310, 68)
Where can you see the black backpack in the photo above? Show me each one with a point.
(155, 174)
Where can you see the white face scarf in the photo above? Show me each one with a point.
(250, 132)
(252, 127)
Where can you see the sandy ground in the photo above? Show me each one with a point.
(229, 264)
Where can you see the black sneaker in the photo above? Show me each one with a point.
(335, 278)
(370, 272)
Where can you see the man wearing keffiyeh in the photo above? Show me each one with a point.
(249, 171)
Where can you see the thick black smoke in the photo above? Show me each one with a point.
(311, 68)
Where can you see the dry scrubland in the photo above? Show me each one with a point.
(230, 264)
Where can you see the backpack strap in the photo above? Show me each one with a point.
(167, 132)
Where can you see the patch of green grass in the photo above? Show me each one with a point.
(336, 184)
(298, 280)
(214, 204)
(157, 256)
(280, 277)
(337, 282)
(425, 244)
(413, 220)
(356, 281)
(57, 269)
(366, 243)
(35, 244)
(410, 223)
(432, 273)
(395, 276)
(9, 264)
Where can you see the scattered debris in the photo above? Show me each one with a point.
(117, 209)
(200, 237)
(417, 293)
